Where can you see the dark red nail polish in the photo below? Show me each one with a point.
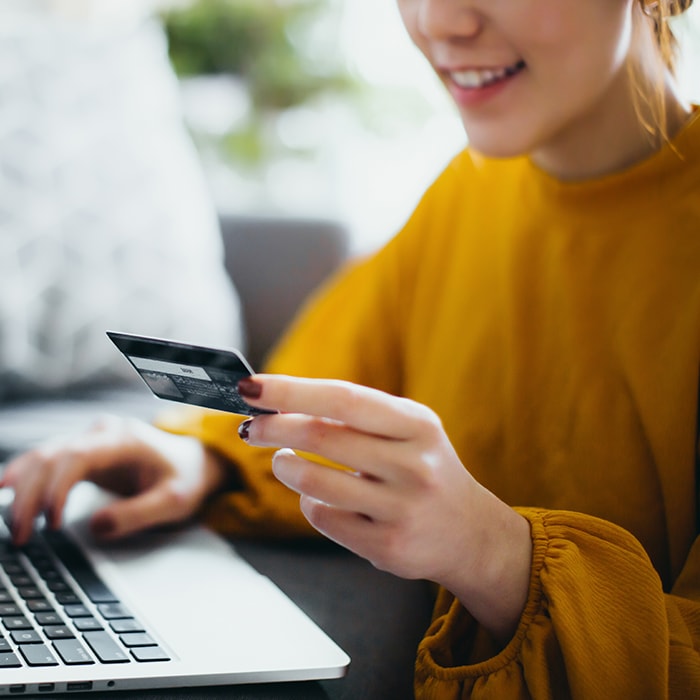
(248, 388)
(102, 525)
(15, 533)
(50, 516)
(244, 428)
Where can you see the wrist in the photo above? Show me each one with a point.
(220, 474)
(496, 588)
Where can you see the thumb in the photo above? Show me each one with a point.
(127, 516)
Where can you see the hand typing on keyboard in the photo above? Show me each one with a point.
(164, 478)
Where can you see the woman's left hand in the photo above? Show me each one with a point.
(403, 499)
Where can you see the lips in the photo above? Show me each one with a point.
(475, 78)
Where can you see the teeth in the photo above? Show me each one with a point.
(479, 78)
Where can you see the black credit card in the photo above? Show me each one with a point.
(193, 374)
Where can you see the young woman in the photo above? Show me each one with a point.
(513, 402)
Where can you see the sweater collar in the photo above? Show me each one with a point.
(663, 165)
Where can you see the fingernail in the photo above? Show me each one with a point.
(249, 388)
(50, 516)
(15, 532)
(244, 429)
(102, 525)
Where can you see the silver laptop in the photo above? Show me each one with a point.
(166, 609)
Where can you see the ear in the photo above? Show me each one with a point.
(659, 9)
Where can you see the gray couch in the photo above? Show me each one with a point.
(275, 263)
(377, 618)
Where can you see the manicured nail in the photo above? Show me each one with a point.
(15, 532)
(244, 429)
(50, 516)
(102, 525)
(248, 388)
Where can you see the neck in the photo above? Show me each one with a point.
(621, 132)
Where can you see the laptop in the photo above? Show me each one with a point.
(172, 608)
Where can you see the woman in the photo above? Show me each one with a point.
(515, 375)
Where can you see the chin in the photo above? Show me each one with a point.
(502, 142)
(498, 149)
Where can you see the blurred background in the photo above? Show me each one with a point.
(311, 107)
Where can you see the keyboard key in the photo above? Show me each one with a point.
(6, 596)
(9, 660)
(87, 623)
(58, 632)
(149, 654)
(72, 652)
(105, 648)
(34, 550)
(48, 618)
(77, 611)
(13, 567)
(58, 586)
(50, 574)
(113, 611)
(29, 592)
(37, 655)
(137, 639)
(4, 645)
(26, 637)
(127, 624)
(39, 605)
(67, 598)
(7, 550)
(16, 623)
(9, 610)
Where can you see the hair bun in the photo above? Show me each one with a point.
(678, 7)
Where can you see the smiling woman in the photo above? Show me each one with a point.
(551, 90)
(509, 386)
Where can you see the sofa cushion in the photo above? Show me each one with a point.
(105, 219)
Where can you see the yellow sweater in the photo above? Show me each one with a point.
(555, 328)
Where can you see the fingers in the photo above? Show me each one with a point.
(341, 489)
(371, 455)
(165, 477)
(41, 479)
(380, 543)
(157, 506)
(26, 506)
(364, 409)
(350, 529)
(30, 476)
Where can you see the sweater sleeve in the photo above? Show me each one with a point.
(596, 625)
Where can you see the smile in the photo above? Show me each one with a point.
(479, 78)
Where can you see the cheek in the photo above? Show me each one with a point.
(579, 36)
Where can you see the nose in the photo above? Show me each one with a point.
(448, 19)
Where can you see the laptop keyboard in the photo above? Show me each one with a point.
(48, 618)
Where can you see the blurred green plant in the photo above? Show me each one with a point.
(265, 43)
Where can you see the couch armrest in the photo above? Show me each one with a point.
(275, 263)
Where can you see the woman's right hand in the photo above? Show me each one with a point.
(164, 478)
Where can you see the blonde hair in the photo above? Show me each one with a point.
(660, 11)
(651, 104)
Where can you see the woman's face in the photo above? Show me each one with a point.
(529, 76)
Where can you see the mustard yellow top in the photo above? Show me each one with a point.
(555, 328)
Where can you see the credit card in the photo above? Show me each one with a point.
(191, 374)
